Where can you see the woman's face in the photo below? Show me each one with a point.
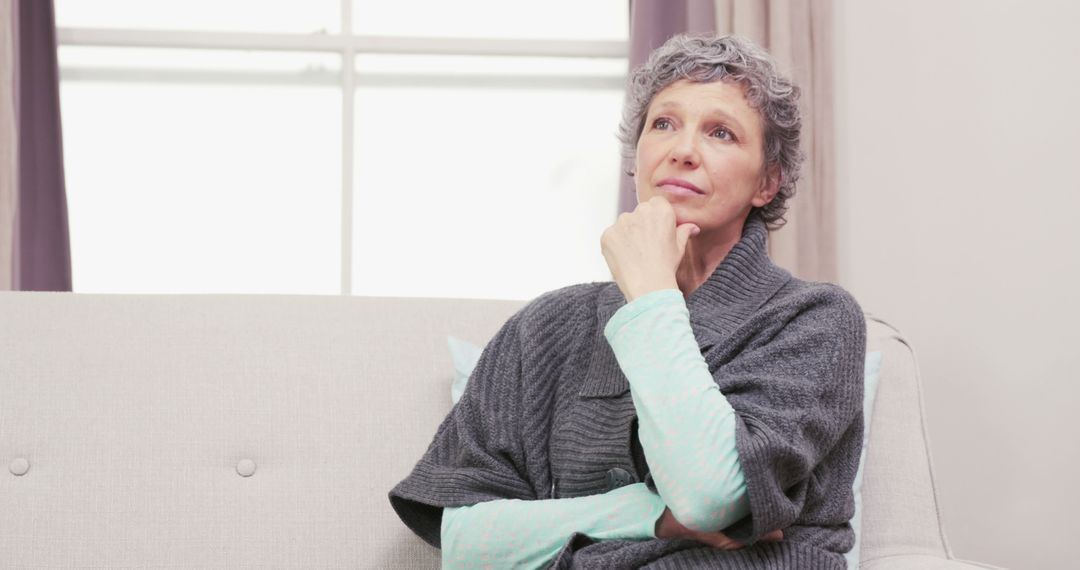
(701, 151)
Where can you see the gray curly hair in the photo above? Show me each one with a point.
(704, 59)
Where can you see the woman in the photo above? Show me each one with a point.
(705, 409)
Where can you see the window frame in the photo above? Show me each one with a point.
(346, 44)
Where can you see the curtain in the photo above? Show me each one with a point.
(798, 34)
(41, 251)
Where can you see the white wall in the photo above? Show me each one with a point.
(959, 138)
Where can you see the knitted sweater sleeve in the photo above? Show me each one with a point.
(796, 386)
(476, 454)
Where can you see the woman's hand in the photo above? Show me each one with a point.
(643, 248)
(668, 527)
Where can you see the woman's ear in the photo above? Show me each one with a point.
(769, 188)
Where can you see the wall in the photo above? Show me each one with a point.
(959, 140)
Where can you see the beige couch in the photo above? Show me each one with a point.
(235, 431)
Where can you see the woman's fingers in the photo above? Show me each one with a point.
(718, 540)
(683, 233)
(721, 540)
(643, 248)
(667, 526)
(774, 536)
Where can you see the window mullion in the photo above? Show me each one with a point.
(348, 71)
(194, 39)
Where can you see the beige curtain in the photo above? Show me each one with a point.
(798, 34)
(8, 160)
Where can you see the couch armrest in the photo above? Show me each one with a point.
(922, 562)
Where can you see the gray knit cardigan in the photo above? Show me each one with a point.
(547, 413)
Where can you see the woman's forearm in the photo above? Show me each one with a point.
(529, 534)
(686, 426)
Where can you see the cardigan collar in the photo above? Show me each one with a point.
(742, 283)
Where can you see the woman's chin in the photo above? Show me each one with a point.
(682, 216)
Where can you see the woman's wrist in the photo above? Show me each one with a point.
(640, 290)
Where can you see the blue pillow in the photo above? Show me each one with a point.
(870, 385)
(465, 356)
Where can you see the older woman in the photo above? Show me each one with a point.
(701, 411)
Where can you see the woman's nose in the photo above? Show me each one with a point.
(685, 152)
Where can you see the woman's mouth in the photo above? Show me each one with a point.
(679, 187)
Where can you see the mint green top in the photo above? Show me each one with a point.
(687, 431)
(511, 533)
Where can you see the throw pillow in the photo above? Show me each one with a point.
(465, 356)
(870, 384)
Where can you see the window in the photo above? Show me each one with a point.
(210, 151)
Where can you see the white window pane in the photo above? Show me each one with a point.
(309, 16)
(208, 188)
(550, 19)
(489, 193)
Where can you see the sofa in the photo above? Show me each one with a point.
(264, 431)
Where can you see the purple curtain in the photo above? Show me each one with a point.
(652, 22)
(42, 256)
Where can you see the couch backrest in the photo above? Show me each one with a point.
(901, 513)
(227, 430)
(139, 418)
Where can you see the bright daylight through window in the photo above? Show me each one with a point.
(210, 146)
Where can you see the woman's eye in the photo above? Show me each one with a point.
(724, 134)
(661, 123)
